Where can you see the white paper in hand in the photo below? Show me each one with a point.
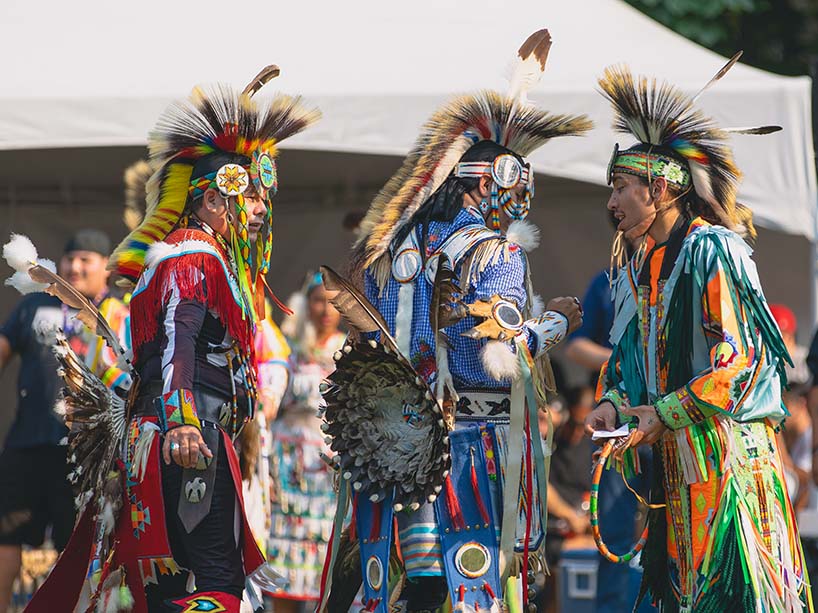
(603, 434)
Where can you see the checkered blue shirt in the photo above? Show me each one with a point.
(506, 279)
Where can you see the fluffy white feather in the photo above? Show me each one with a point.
(24, 284)
(525, 234)
(500, 361)
(156, 252)
(292, 325)
(20, 252)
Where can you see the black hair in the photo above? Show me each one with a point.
(447, 200)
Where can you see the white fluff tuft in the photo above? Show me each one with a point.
(24, 284)
(156, 252)
(20, 252)
(47, 264)
(525, 234)
(500, 361)
(537, 305)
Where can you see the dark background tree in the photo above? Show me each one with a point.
(777, 35)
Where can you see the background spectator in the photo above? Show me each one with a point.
(304, 498)
(34, 491)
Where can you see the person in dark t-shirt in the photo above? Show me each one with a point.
(34, 491)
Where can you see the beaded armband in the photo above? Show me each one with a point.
(677, 410)
(549, 329)
(177, 408)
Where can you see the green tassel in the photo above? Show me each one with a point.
(126, 601)
(730, 589)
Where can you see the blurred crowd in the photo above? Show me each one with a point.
(288, 486)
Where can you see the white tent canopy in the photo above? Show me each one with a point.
(98, 73)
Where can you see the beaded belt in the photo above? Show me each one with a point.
(484, 406)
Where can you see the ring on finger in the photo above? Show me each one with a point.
(174, 446)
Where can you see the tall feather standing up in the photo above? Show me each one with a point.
(530, 65)
(717, 77)
(264, 76)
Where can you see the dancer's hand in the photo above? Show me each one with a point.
(602, 418)
(650, 428)
(570, 307)
(184, 444)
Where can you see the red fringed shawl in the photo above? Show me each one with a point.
(200, 276)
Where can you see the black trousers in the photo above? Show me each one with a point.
(35, 493)
(210, 550)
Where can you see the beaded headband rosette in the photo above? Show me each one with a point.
(223, 139)
(507, 173)
(649, 163)
(507, 119)
(677, 142)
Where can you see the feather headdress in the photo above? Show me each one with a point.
(677, 141)
(507, 120)
(217, 123)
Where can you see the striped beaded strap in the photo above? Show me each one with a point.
(603, 549)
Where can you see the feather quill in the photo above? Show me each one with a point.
(718, 76)
(758, 130)
(264, 76)
(355, 308)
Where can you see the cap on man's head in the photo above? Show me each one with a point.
(89, 239)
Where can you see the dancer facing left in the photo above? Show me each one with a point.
(162, 522)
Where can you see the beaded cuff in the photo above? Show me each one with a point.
(178, 409)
